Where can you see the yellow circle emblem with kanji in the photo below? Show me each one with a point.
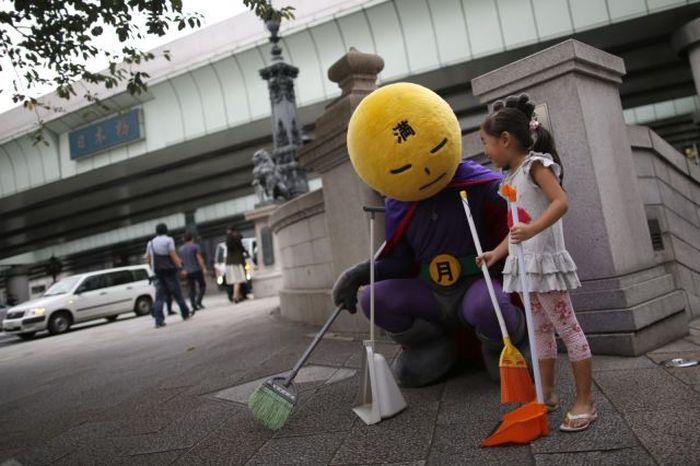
(445, 269)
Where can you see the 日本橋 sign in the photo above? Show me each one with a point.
(105, 134)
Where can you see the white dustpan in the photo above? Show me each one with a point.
(379, 394)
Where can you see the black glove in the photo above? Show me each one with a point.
(345, 288)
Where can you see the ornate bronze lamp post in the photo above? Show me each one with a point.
(286, 132)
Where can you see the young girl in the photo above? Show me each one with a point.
(515, 142)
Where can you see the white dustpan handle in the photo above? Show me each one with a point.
(371, 278)
(528, 309)
(372, 258)
(484, 269)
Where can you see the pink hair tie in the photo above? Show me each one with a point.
(534, 124)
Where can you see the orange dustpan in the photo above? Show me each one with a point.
(523, 425)
(529, 422)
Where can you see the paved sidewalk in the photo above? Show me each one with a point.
(126, 393)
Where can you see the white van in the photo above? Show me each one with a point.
(102, 294)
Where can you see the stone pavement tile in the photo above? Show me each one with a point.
(67, 442)
(404, 437)
(676, 346)
(471, 396)
(150, 459)
(282, 362)
(109, 455)
(7, 458)
(233, 442)
(144, 401)
(412, 463)
(307, 450)
(658, 358)
(157, 418)
(186, 431)
(689, 375)
(671, 436)
(636, 456)
(334, 352)
(613, 363)
(107, 451)
(460, 444)
(694, 337)
(608, 432)
(328, 409)
(643, 389)
(11, 440)
(44, 428)
(355, 360)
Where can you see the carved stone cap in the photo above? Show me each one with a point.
(569, 56)
(355, 68)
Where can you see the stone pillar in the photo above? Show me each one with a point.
(267, 276)
(18, 284)
(344, 192)
(686, 41)
(627, 304)
(325, 231)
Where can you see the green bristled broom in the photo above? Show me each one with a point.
(273, 402)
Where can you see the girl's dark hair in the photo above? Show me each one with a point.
(513, 115)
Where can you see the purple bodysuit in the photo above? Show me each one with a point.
(416, 233)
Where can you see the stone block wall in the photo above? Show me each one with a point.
(670, 187)
(301, 230)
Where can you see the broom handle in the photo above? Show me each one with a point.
(312, 346)
(331, 319)
(484, 269)
(528, 310)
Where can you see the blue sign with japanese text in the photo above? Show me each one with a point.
(105, 134)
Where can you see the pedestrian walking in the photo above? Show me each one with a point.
(235, 258)
(195, 269)
(165, 263)
(169, 305)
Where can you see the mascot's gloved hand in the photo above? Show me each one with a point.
(346, 287)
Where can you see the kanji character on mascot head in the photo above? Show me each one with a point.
(405, 142)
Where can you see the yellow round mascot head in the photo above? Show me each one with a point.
(404, 141)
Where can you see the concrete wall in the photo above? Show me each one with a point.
(670, 187)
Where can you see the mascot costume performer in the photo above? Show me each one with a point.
(405, 142)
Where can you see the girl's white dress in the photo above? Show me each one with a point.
(548, 264)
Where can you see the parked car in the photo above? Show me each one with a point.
(3, 311)
(102, 294)
(220, 266)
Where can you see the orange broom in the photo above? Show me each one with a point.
(516, 384)
(529, 422)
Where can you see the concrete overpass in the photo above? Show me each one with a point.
(208, 110)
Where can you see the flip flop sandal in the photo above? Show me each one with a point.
(589, 418)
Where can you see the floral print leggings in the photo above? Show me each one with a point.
(553, 311)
